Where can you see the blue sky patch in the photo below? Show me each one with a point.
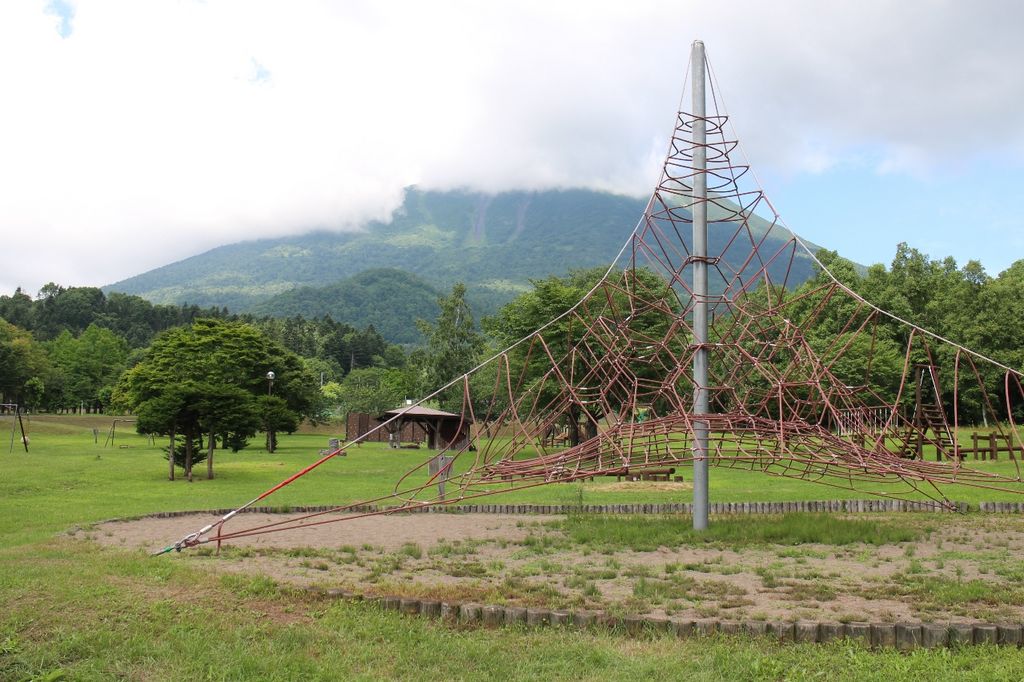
(258, 73)
(65, 13)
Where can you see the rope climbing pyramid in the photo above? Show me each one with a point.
(804, 378)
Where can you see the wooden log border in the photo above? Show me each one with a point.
(717, 508)
(902, 636)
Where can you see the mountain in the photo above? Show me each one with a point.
(493, 243)
(389, 299)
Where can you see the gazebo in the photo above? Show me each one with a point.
(444, 429)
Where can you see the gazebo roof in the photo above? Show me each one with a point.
(419, 412)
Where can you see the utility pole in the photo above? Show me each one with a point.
(700, 291)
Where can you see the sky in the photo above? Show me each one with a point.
(134, 134)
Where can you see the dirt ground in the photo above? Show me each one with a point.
(961, 568)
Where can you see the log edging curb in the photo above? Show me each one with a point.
(718, 508)
(903, 636)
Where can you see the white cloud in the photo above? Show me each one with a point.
(155, 130)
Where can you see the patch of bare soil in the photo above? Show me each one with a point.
(962, 569)
(641, 486)
(383, 532)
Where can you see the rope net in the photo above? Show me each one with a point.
(807, 380)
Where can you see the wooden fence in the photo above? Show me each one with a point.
(861, 420)
(989, 445)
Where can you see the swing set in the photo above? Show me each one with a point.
(113, 431)
(16, 423)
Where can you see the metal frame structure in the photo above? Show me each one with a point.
(112, 432)
(5, 407)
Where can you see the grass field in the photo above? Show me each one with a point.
(74, 610)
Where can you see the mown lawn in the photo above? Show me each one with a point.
(72, 610)
(73, 480)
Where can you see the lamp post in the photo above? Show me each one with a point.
(271, 436)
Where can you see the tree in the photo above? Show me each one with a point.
(17, 309)
(230, 412)
(191, 409)
(275, 416)
(71, 309)
(21, 359)
(332, 396)
(641, 328)
(362, 348)
(33, 392)
(453, 345)
(374, 389)
(212, 376)
(89, 364)
(324, 370)
(173, 412)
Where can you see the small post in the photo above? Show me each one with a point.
(440, 467)
(700, 291)
(445, 464)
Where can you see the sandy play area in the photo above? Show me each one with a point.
(959, 568)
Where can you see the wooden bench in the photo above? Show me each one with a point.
(645, 474)
(653, 474)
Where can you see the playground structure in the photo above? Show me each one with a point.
(730, 365)
(16, 424)
(112, 432)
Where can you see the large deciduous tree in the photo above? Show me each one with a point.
(21, 361)
(211, 378)
(87, 365)
(453, 345)
(374, 389)
(544, 306)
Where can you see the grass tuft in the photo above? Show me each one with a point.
(645, 534)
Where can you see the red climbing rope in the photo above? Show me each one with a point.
(811, 382)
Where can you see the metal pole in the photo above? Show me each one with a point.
(11, 449)
(24, 438)
(700, 292)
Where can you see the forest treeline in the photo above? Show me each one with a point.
(875, 353)
(963, 304)
(67, 348)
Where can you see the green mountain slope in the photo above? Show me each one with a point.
(389, 299)
(493, 243)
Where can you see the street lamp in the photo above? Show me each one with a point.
(271, 437)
